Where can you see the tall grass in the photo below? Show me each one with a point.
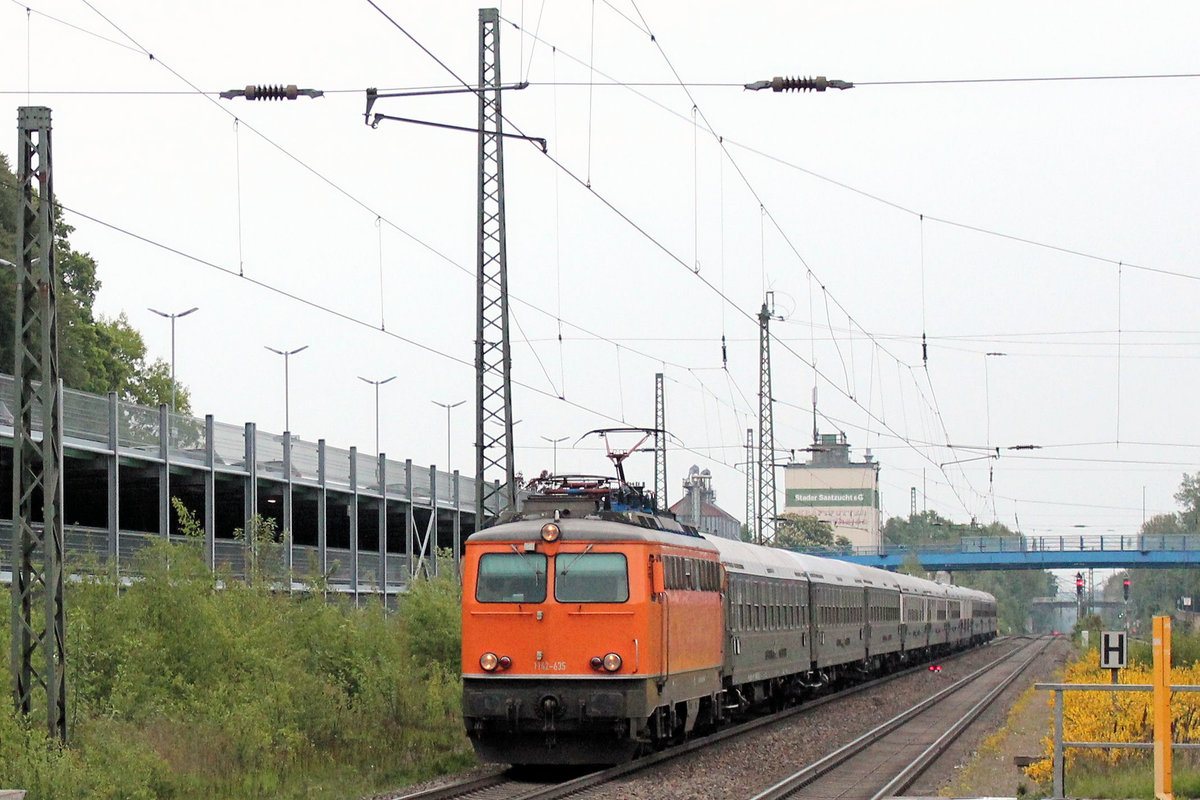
(1131, 780)
(181, 689)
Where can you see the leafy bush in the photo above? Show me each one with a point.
(433, 611)
(1117, 717)
(189, 684)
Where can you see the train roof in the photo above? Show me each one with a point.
(743, 557)
(589, 529)
(750, 559)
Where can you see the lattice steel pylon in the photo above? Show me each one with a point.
(765, 526)
(660, 443)
(38, 658)
(751, 477)
(493, 359)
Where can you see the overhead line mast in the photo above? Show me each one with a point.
(660, 443)
(39, 655)
(493, 358)
(765, 527)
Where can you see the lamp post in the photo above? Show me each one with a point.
(376, 384)
(287, 354)
(555, 443)
(173, 317)
(448, 406)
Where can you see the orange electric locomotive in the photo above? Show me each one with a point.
(591, 627)
(595, 628)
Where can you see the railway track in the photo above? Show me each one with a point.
(887, 759)
(513, 785)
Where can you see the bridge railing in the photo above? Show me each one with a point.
(1028, 544)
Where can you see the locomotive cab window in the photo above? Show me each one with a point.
(591, 578)
(511, 578)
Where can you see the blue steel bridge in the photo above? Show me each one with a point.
(366, 521)
(1032, 552)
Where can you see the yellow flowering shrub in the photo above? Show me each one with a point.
(1116, 717)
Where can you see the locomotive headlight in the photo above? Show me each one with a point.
(612, 662)
(550, 532)
(489, 662)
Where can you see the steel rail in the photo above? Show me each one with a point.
(909, 775)
(457, 790)
(831, 761)
(594, 779)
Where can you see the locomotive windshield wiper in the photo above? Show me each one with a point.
(536, 574)
(578, 556)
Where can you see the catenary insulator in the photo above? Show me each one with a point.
(268, 92)
(271, 92)
(817, 84)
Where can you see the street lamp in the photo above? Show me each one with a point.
(287, 354)
(448, 406)
(376, 384)
(555, 443)
(173, 317)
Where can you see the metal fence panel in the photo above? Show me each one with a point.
(337, 466)
(368, 473)
(305, 460)
(268, 454)
(137, 428)
(420, 485)
(368, 571)
(85, 416)
(229, 444)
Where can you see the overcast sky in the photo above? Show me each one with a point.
(1051, 222)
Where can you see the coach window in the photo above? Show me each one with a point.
(511, 578)
(591, 578)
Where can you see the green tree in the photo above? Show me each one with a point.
(1156, 592)
(96, 355)
(1188, 497)
(922, 528)
(1014, 590)
(802, 531)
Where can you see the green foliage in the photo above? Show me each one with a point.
(264, 550)
(802, 531)
(187, 684)
(1014, 589)
(1133, 779)
(187, 522)
(1185, 648)
(95, 355)
(1159, 592)
(919, 529)
(911, 565)
(433, 608)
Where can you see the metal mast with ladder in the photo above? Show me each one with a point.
(39, 659)
(496, 485)
(660, 443)
(765, 523)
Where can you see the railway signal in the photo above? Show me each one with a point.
(1126, 590)
(1079, 584)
